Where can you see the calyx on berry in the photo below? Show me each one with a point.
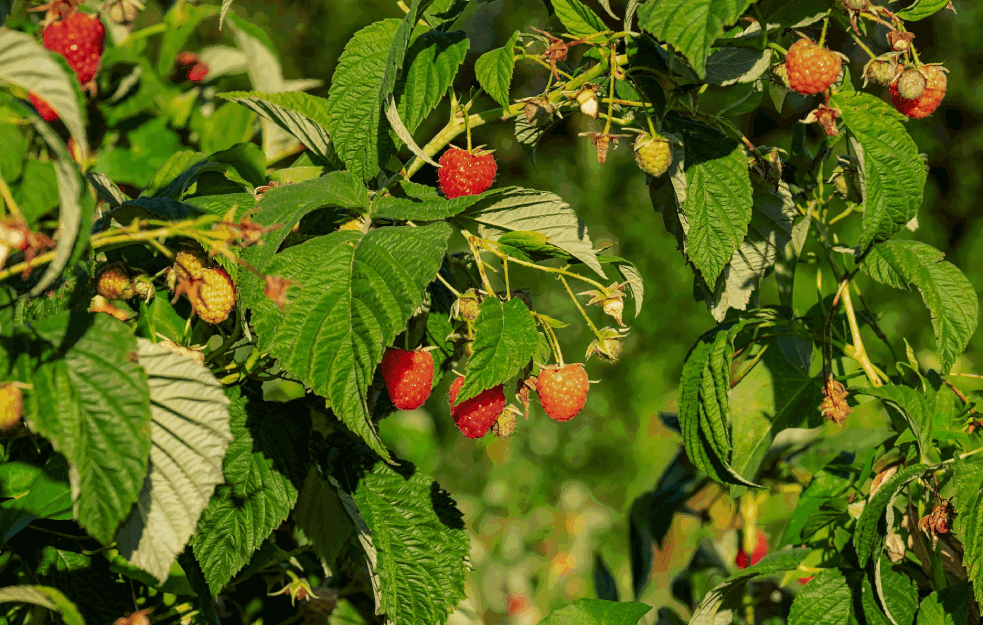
(466, 306)
(607, 346)
(883, 69)
(611, 299)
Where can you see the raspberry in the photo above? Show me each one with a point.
(188, 265)
(79, 38)
(467, 306)
(198, 72)
(214, 297)
(653, 154)
(930, 98)
(504, 426)
(114, 282)
(760, 551)
(563, 391)
(11, 405)
(911, 84)
(811, 69)
(466, 173)
(477, 415)
(408, 376)
(881, 71)
(44, 109)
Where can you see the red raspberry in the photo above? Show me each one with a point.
(214, 297)
(408, 376)
(563, 391)
(811, 69)
(44, 109)
(187, 59)
(466, 173)
(198, 72)
(79, 38)
(760, 551)
(477, 415)
(929, 100)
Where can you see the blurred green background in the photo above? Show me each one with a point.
(542, 506)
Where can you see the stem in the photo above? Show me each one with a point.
(554, 343)
(822, 37)
(777, 48)
(470, 238)
(747, 370)
(448, 286)
(489, 246)
(581, 309)
(607, 125)
(861, 43)
(858, 343)
(149, 31)
(845, 213)
(9, 200)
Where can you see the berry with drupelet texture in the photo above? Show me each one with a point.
(477, 415)
(811, 69)
(930, 97)
(114, 282)
(466, 173)
(563, 390)
(653, 154)
(408, 376)
(214, 297)
(11, 408)
(44, 109)
(80, 38)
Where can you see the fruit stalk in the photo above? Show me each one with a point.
(860, 354)
(581, 309)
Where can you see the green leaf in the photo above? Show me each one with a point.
(968, 486)
(690, 25)
(24, 62)
(411, 530)
(494, 68)
(432, 62)
(897, 592)
(717, 200)
(828, 483)
(769, 232)
(172, 170)
(264, 468)
(505, 339)
(892, 175)
(442, 14)
(577, 18)
(950, 606)
(429, 209)
(5, 6)
(948, 294)
(871, 526)
(322, 517)
(189, 436)
(352, 295)
(777, 562)
(596, 611)
(919, 411)
(33, 492)
(825, 600)
(920, 9)
(730, 66)
(44, 596)
(514, 209)
(247, 162)
(91, 401)
(181, 20)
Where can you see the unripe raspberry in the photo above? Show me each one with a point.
(215, 297)
(11, 409)
(188, 265)
(504, 427)
(114, 282)
(539, 112)
(911, 84)
(653, 154)
(811, 69)
(467, 306)
(930, 98)
(882, 71)
(356, 224)
(856, 5)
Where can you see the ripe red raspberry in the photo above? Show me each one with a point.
(925, 104)
(198, 72)
(466, 173)
(11, 407)
(811, 69)
(563, 391)
(44, 109)
(408, 376)
(653, 154)
(214, 297)
(760, 551)
(114, 282)
(80, 38)
(477, 415)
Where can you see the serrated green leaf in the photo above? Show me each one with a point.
(897, 592)
(919, 411)
(264, 468)
(92, 403)
(411, 530)
(597, 611)
(825, 600)
(920, 9)
(189, 436)
(442, 14)
(690, 25)
(432, 61)
(529, 135)
(351, 294)
(45, 596)
(505, 339)
(831, 481)
(718, 197)
(578, 18)
(730, 66)
(322, 517)
(948, 294)
(777, 562)
(430, 209)
(950, 606)
(33, 492)
(892, 177)
(304, 116)
(870, 532)
(968, 485)
(514, 209)
(179, 164)
(494, 68)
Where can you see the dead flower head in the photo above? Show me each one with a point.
(834, 407)
(603, 142)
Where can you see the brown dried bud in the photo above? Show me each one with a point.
(898, 41)
(835, 407)
(505, 426)
(826, 117)
(539, 111)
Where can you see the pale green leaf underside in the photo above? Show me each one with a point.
(352, 294)
(597, 612)
(494, 69)
(189, 436)
(867, 538)
(892, 175)
(504, 343)
(527, 210)
(918, 410)
(45, 596)
(825, 600)
(948, 294)
(690, 25)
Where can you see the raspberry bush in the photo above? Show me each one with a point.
(219, 234)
